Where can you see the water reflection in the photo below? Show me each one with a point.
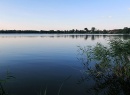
(73, 36)
(44, 61)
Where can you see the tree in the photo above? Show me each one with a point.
(86, 29)
(126, 30)
(111, 70)
(105, 31)
(93, 29)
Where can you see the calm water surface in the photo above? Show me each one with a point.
(40, 62)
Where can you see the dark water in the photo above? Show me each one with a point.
(43, 62)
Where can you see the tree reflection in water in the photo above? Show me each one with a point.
(107, 68)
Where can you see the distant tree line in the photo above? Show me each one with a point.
(93, 30)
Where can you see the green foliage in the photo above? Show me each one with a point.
(111, 69)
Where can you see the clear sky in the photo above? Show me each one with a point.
(64, 14)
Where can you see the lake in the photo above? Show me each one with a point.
(45, 62)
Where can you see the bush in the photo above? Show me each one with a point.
(111, 69)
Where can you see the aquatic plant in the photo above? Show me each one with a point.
(110, 71)
(59, 90)
(4, 80)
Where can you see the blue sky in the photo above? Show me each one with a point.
(64, 14)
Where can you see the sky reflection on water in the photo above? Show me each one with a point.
(40, 61)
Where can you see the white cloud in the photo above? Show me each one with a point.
(129, 9)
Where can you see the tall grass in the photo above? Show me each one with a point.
(60, 88)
